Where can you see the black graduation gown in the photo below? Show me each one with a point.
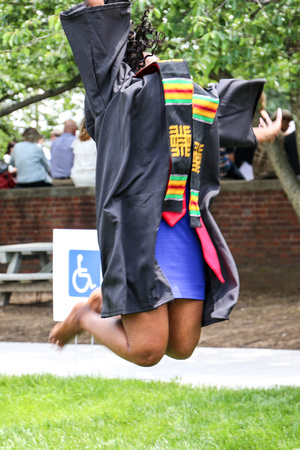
(126, 117)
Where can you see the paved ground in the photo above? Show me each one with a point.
(230, 367)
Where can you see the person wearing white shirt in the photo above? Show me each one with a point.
(83, 172)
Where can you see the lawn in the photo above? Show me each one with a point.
(47, 412)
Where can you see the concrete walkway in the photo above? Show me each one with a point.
(228, 367)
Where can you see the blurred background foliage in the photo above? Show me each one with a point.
(219, 39)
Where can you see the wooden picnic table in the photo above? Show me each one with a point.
(13, 281)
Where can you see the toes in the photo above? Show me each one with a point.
(50, 338)
(53, 339)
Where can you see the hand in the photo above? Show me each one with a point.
(89, 3)
(268, 129)
(149, 58)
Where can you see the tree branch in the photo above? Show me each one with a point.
(29, 43)
(262, 5)
(285, 173)
(6, 97)
(218, 7)
(32, 86)
(39, 97)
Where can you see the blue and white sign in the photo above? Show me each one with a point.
(76, 269)
(84, 272)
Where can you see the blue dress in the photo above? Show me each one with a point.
(179, 254)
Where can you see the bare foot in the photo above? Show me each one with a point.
(95, 300)
(64, 331)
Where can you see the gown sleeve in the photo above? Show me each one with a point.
(98, 38)
(238, 101)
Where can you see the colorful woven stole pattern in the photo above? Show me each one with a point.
(204, 108)
(178, 93)
(204, 111)
(190, 113)
(176, 187)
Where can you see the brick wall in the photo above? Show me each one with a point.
(263, 233)
(29, 215)
(256, 219)
(259, 224)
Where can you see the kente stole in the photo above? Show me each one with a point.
(190, 112)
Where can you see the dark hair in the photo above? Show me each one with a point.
(31, 135)
(143, 37)
(10, 145)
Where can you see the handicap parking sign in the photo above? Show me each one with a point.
(77, 269)
(84, 272)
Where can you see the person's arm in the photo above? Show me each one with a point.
(98, 37)
(268, 129)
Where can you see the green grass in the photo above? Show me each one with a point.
(47, 412)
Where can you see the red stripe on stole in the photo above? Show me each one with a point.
(172, 186)
(204, 108)
(185, 91)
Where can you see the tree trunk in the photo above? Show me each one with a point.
(71, 84)
(285, 173)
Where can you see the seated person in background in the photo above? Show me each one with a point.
(7, 172)
(290, 144)
(55, 133)
(62, 152)
(6, 157)
(46, 150)
(228, 168)
(83, 172)
(10, 147)
(30, 161)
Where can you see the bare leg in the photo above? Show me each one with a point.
(185, 318)
(141, 338)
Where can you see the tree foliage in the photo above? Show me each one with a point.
(36, 61)
(35, 57)
(249, 39)
(244, 39)
(218, 38)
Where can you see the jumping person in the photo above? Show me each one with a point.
(167, 270)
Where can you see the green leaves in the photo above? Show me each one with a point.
(34, 55)
(243, 39)
(54, 22)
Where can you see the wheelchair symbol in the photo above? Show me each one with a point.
(82, 272)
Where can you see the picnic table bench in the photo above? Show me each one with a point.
(13, 281)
